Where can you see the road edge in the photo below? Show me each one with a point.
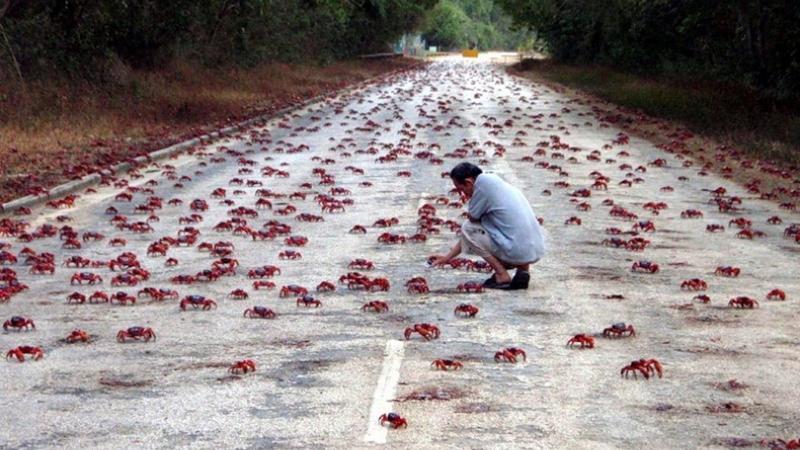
(69, 187)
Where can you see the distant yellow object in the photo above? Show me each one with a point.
(469, 53)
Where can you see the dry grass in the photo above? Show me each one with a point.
(56, 129)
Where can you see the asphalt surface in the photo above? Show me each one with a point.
(325, 374)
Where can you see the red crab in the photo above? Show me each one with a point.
(385, 223)
(197, 301)
(239, 294)
(99, 297)
(417, 285)
(573, 221)
(77, 336)
(447, 364)
(470, 286)
(361, 264)
(296, 241)
(333, 207)
(158, 294)
(776, 294)
(23, 350)
(356, 280)
(749, 234)
(259, 312)
(389, 238)
(18, 323)
(377, 306)
(426, 330)
(308, 301)
(393, 419)
(466, 310)
(263, 272)
(76, 297)
(619, 329)
(417, 238)
(90, 278)
(263, 284)
(358, 229)
(694, 284)
(691, 214)
(7, 258)
(646, 367)
(727, 271)
(741, 223)
(136, 333)
(293, 289)
(77, 261)
(305, 217)
(584, 340)
(645, 266)
(510, 354)
(40, 268)
(290, 254)
(743, 302)
(702, 298)
(118, 242)
(243, 366)
(122, 298)
(326, 286)
(157, 249)
(645, 226)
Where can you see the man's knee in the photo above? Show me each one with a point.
(468, 227)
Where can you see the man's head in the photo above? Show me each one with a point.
(464, 176)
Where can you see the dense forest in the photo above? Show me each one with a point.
(753, 42)
(483, 24)
(87, 38)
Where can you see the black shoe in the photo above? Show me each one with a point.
(501, 286)
(521, 280)
(492, 283)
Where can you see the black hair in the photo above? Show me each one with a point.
(465, 170)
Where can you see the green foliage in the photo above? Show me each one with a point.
(458, 24)
(84, 37)
(446, 26)
(754, 42)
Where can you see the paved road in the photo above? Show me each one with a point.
(324, 374)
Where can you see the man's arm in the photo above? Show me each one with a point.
(438, 260)
(478, 205)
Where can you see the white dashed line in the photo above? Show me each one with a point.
(384, 392)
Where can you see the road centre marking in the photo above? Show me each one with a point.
(384, 391)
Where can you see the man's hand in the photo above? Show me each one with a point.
(438, 260)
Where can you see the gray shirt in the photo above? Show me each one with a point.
(508, 219)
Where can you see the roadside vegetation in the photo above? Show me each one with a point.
(730, 70)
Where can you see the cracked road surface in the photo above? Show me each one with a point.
(324, 374)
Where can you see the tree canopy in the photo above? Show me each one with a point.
(457, 24)
(83, 37)
(755, 42)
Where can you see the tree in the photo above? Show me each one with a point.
(753, 42)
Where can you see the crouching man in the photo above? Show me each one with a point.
(501, 228)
